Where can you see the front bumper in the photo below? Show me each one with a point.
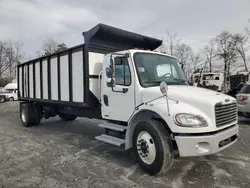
(207, 144)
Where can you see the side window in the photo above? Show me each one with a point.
(122, 72)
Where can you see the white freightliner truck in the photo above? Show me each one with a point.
(142, 96)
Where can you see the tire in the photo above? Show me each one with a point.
(26, 114)
(37, 114)
(67, 117)
(2, 100)
(152, 147)
(11, 99)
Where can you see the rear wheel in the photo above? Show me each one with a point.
(67, 117)
(30, 114)
(1, 100)
(152, 147)
(37, 114)
(26, 114)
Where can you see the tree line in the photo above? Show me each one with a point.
(11, 54)
(230, 48)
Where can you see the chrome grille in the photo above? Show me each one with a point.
(225, 113)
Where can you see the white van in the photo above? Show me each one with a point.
(10, 93)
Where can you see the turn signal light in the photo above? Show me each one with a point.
(243, 98)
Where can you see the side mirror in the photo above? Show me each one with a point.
(110, 76)
(110, 82)
(164, 88)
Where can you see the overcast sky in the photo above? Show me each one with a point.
(31, 21)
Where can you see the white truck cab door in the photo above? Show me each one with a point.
(118, 101)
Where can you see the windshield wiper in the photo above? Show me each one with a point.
(154, 82)
(159, 81)
(179, 79)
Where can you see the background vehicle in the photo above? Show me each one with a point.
(243, 101)
(213, 81)
(237, 81)
(142, 96)
(10, 93)
(1, 89)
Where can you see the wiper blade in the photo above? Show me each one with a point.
(179, 79)
(153, 82)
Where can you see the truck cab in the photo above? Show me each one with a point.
(197, 121)
(141, 95)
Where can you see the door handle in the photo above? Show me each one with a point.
(124, 90)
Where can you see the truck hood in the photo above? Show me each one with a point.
(197, 97)
(192, 100)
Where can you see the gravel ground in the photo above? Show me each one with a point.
(65, 154)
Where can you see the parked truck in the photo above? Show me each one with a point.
(209, 80)
(141, 95)
(236, 82)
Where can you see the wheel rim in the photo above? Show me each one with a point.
(146, 147)
(2, 100)
(11, 99)
(23, 116)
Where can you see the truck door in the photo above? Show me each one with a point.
(118, 99)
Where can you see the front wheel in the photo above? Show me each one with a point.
(152, 147)
(11, 99)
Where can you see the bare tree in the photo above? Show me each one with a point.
(248, 30)
(209, 52)
(3, 57)
(226, 50)
(51, 46)
(10, 58)
(10, 55)
(242, 47)
(183, 53)
(13, 57)
(195, 59)
(170, 42)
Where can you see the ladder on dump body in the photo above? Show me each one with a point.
(112, 139)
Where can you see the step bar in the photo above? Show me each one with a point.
(110, 140)
(113, 126)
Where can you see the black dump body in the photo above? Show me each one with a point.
(114, 39)
(235, 80)
(100, 39)
(236, 83)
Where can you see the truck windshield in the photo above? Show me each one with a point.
(152, 69)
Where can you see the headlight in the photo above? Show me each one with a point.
(190, 120)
